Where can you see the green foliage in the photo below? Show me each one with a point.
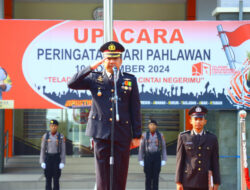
(248, 55)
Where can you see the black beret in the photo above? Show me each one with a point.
(198, 111)
(54, 122)
(152, 121)
(112, 49)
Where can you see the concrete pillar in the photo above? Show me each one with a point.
(1, 9)
(1, 111)
(1, 140)
(204, 9)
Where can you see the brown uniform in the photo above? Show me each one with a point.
(196, 154)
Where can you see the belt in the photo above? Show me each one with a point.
(152, 153)
(52, 154)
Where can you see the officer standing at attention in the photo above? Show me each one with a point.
(197, 154)
(101, 86)
(152, 155)
(52, 155)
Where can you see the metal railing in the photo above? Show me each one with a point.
(6, 146)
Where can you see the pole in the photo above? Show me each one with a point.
(1, 140)
(115, 118)
(240, 9)
(111, 160)
(108, 36)
(224, 42)
(243, 153)
(108, 20)
(1, 9)
(238, 152)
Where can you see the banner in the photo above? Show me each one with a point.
(178, 64)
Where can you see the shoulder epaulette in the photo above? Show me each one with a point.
(210, 133)
(184, 132)
(97, 72)
(129, 74)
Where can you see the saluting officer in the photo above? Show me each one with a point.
(152, 155)
(101, 86)
(197, 154)
(52, 155)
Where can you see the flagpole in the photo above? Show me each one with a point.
(243, 153)
(225, 46)
(108, 36)
(108, 20)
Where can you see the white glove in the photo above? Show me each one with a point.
(141, 163)
(61, 165)
(43, 165)
(163, 162)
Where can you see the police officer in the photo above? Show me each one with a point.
(101, 86)
(52, 155)
(152, 155)
(197, 154)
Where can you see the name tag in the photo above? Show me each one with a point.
(189, 143)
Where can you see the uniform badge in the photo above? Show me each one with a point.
(198, 109)
(127, 84)
(99, 93)
(111, 47)
(100, 79)
(127, 79)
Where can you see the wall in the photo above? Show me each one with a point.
(81, 11)
(209, 6)
(224, 125)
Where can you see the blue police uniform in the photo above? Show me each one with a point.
(100, 121)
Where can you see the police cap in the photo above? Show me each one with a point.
(112, 49)
(197, 111)
(152, 121)
(53, 122)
